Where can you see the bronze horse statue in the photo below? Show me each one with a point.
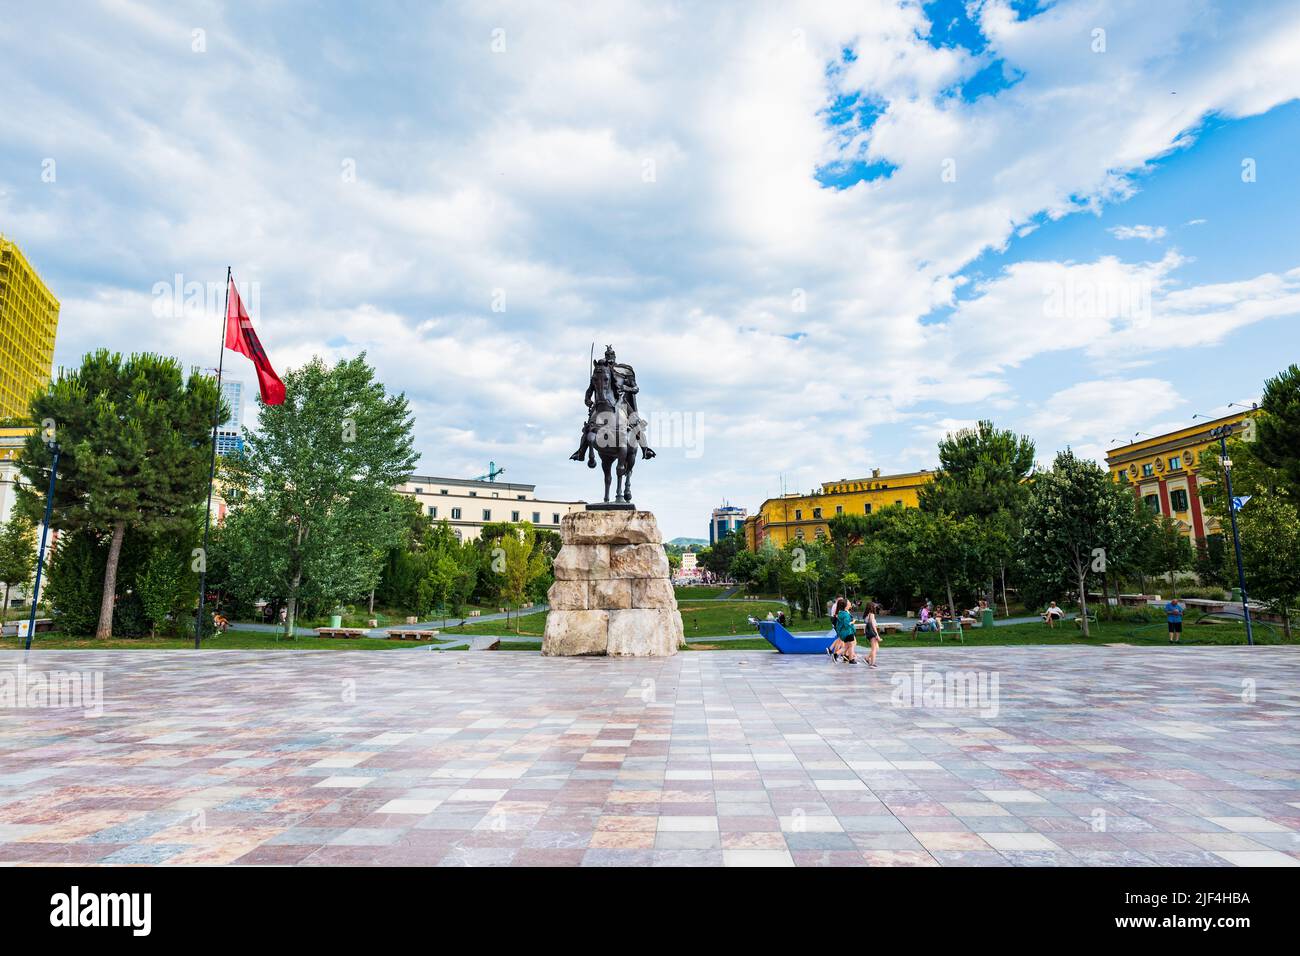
(614, 429)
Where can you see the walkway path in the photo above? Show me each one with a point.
(355, 758)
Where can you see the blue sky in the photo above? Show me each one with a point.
(824, 233)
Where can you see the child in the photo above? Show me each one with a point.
(872, 632)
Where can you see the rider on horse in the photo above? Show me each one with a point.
(611, 402)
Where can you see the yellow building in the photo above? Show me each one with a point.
(29, 317)
(1163, 472)
(807, 517)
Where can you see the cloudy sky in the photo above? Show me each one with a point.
(824, 233)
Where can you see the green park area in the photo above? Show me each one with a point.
(312, 529)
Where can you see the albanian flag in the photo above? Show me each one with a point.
(241, 337)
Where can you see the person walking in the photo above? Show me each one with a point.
(872, 631)
(1174, 614)
(841, 648)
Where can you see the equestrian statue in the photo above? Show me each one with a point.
(614, 429)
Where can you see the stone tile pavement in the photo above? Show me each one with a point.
(1032, 756)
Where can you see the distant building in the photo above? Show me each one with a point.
(725, 520)
(467, 504)
(230, 439)
(799, 517)
(1164, 472)
(29, 319)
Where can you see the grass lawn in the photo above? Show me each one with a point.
(698, 591)
(233, 640)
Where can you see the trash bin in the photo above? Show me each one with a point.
(986, 617)
(1236, 595)
(336, 620)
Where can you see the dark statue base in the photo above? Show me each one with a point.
(612, 506)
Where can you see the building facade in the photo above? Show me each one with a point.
(725, 520)
(807, 517)
(468, 504)
(230, 439)
(1164, 472)
(29, 319)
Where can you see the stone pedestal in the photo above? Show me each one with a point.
(612, 592)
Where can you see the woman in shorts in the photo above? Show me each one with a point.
(872, 632)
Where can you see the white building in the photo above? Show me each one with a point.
(467, 504)
(229, 437)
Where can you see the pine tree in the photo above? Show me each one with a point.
(134, 439)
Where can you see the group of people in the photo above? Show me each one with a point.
(844, 648)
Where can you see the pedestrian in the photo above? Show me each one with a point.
(841, 648)
(1174, 614)
(872, 632)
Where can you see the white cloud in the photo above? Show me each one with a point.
(636, 174)
(1149, 233)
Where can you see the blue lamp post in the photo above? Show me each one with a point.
(1222, 433)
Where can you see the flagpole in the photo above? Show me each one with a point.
(212, 469)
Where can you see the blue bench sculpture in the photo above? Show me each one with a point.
(787, 643)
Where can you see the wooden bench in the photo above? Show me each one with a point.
(410, 634)
(349, 632)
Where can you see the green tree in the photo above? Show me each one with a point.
(1076, 521)
(1269, 528)
(17, 555)
(1278, 428)
(520, 565)
(135, 441)
(719, 556)
(315, 512)
(982, 474)
(1169, 551)
(159, 585)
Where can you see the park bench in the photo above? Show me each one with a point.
(411, 634)
(349, 632)
(42, 624)
(952, 629)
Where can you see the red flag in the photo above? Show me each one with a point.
(240, 337)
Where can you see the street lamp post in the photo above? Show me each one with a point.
(45, 531)
(1222, 433)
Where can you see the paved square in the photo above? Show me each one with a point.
(1037, 756)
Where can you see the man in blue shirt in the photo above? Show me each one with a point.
(1174, 612)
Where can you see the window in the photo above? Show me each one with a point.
(798, 534)
(455, 514)
(537, 518)
(866, 509)
(1122, 477)
(798, 514)
(419, 491)
(839, 509)
(898, 501)
(520, 498)
(442, 491)
(473, 494)
(1175, 462)
(514, 516)
(1152, 502)
(821, 533)
(1178, 499)
(433, 511)
(555, 519)
(487, 514)
(496, 494)
(457, 533)
(1148, 470)
(817, 512)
